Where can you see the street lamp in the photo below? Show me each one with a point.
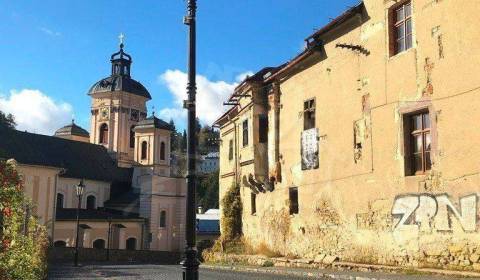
(190, 263)
(79, 189)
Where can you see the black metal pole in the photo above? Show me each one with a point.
(108, 237)
(78, 225)
(190, 263)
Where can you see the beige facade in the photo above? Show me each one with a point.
(360, 194)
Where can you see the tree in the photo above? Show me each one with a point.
(208, 191)
(174, 139)
(7, 120)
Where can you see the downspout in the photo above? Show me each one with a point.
(54, 215)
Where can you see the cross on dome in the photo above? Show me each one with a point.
(121, 37)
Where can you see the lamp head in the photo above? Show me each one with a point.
(80, 188)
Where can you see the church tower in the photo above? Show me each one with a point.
(118, 104)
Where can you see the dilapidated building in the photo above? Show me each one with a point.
(363, 146)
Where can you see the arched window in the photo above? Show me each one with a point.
(99, 244)
(163, 219)
(144, 150)
(132, 137)
(131, 243)
(60, 199)
(60, 243)
(91, 202)
(162, 151)
(103, 134)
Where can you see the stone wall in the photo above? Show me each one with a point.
(89, 255)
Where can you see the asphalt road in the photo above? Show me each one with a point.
(157, 272)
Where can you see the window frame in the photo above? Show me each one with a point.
(103, 134)
(132, 137)
(395, 23)
(245, 133)
(63, 201)
(162, 219)
(144, 150)
(162, 151)
(410, 134)
(309, 113)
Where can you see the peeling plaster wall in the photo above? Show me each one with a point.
(362, 207)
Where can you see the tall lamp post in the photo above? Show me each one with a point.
(79, 189)
(190, 263)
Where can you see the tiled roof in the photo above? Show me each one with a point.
(70, 214)
(72, 129)
(153, 122)
(79, 159)
(128, 198)
(120, 83)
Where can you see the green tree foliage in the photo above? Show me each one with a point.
(231, 221)
(23, 241)
(7, 120)
(208, 191)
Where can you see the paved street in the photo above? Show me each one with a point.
(174, 272)
(158, 272)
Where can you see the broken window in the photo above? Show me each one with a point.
(309, 114)
(418, 142)
(262, 128)
(293, 197)
(230, 149)
(245, 132)
(253, 202)
(401, 27)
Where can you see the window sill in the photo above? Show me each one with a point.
(400, 54)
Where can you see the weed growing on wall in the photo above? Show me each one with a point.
(23, 242)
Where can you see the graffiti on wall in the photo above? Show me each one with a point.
(425, 212)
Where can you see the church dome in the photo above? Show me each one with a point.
(120, 79)
(72, 129)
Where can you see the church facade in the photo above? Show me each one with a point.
(132, 200)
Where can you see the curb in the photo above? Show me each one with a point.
(338, 274)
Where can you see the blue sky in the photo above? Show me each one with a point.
(51, 52)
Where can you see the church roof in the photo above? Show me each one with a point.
(154, 122)
(79, 159)
(120, 83)
(120, 78)
(72, 129)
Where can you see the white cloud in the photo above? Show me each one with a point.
(35, 111)
(49, 32)
(210, 95)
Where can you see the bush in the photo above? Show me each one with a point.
(23, 241)
(231, 221)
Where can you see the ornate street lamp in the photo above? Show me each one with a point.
(190, 263)
(79, 189)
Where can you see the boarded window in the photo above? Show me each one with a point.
(230, 149)
(401, 28)
(144, 150)
(309, 149)
(293, 197)
(418, 142)
(103, 134)
(253, 203)
(309, 114)
(262, 128)
(245, 132)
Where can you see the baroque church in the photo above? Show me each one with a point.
(132, 199)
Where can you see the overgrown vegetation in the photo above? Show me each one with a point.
(231, 220)
(23, 241)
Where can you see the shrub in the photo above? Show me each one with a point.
(231, 221)
(23, 241)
